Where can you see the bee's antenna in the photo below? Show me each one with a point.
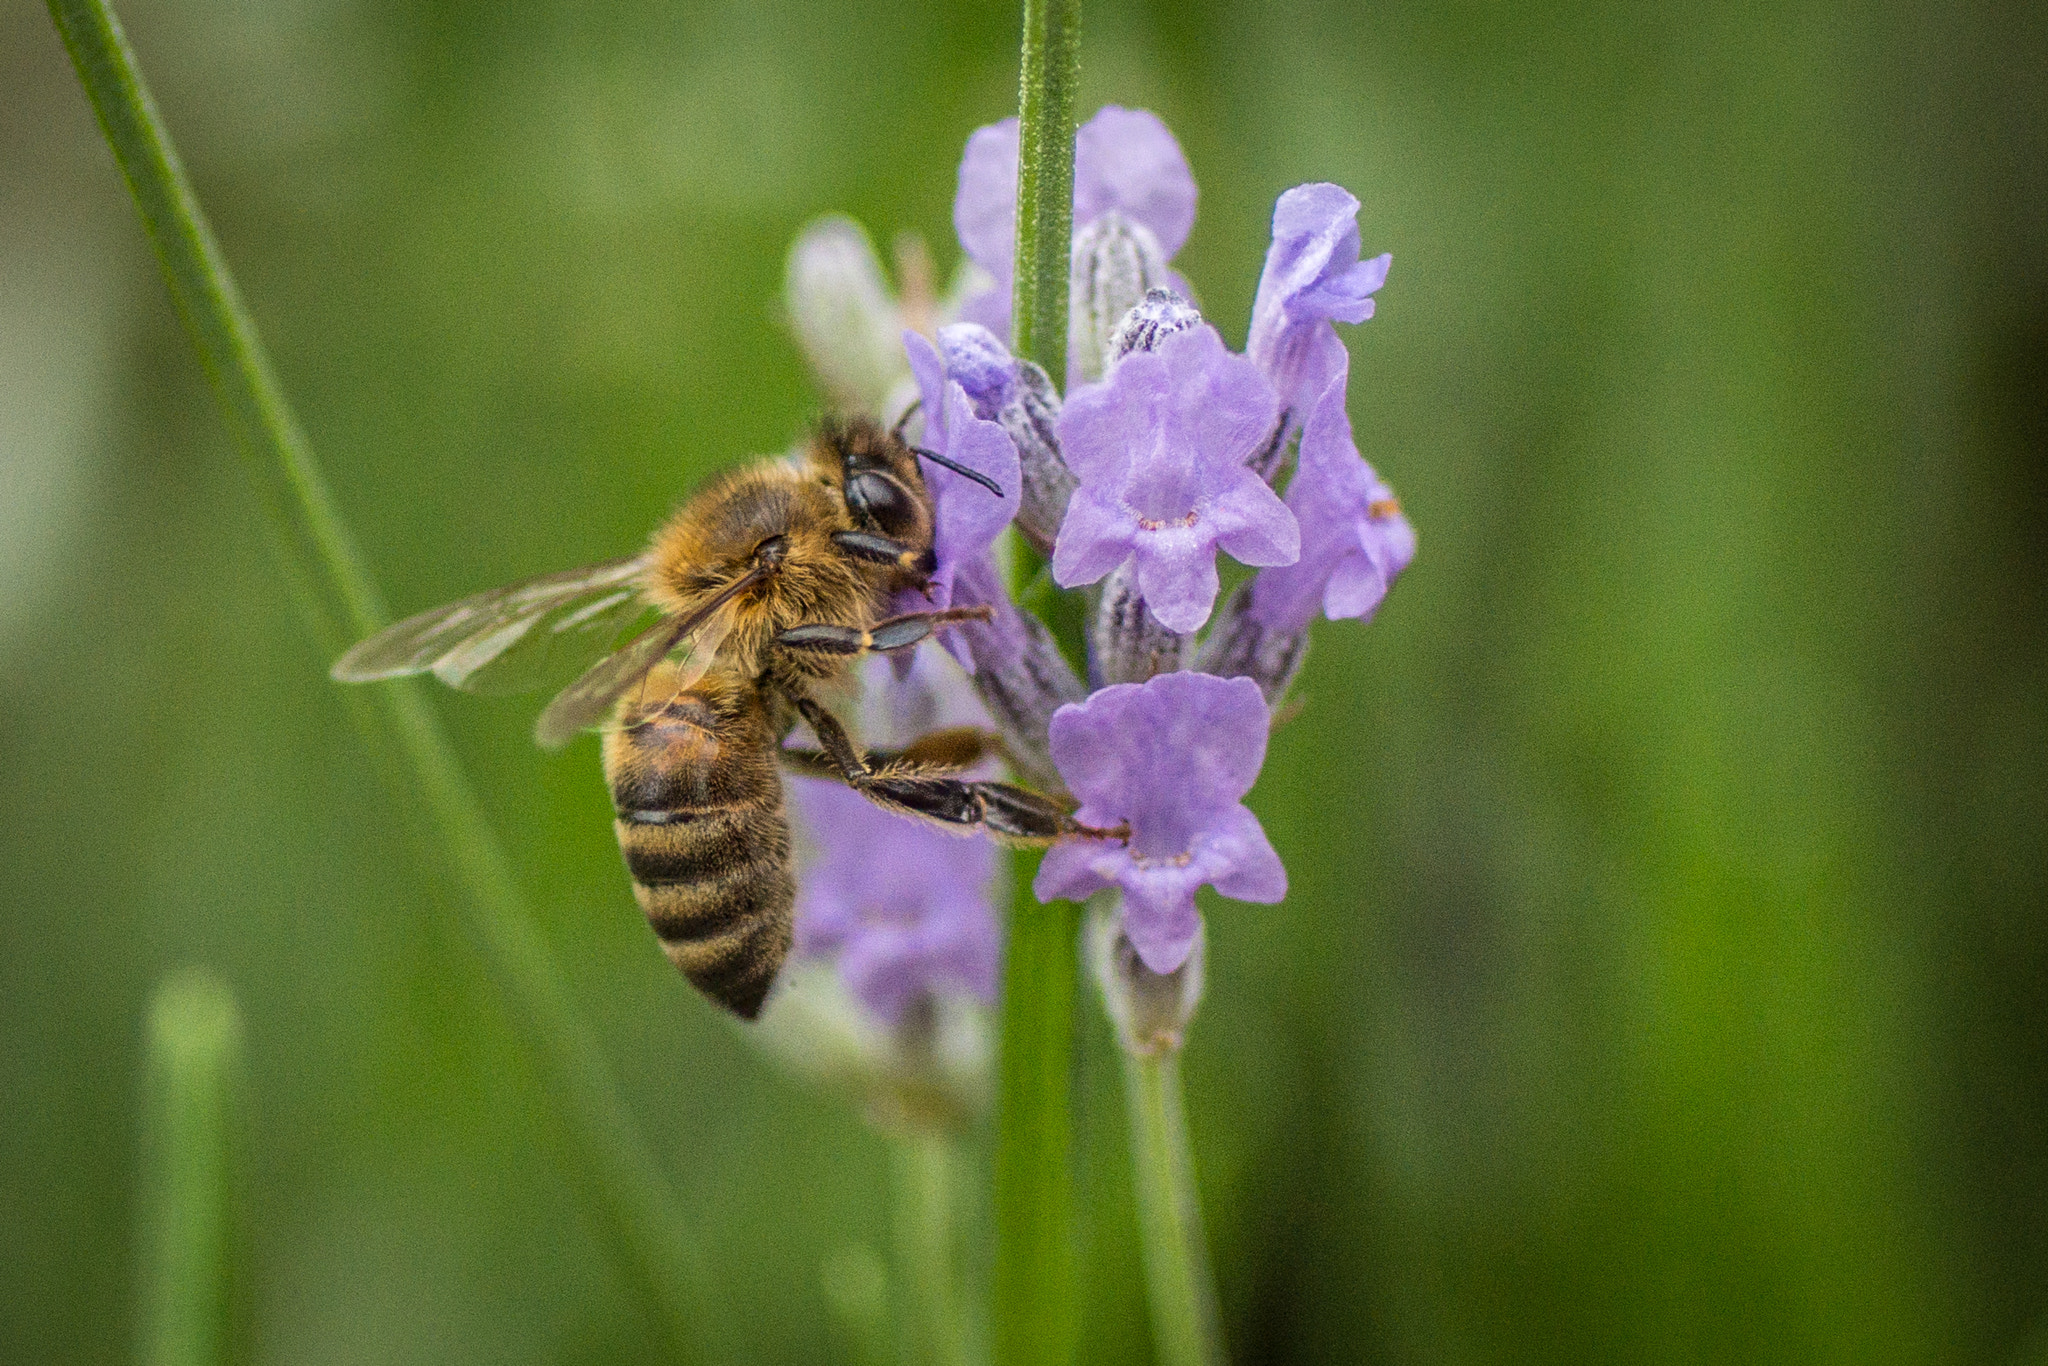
(916, 404)
(991, 485)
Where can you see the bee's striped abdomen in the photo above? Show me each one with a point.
(701, 825)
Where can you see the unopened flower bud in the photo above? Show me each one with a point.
(1153, 319)
(1130, 643)
(844, 315)
(1150, 1010)
(1028, 417)
(1117, 261)
(1242, 646)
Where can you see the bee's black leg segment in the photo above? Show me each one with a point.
(945, 800)
(947, 750)
(866, 545)
(832, 736)
(1009, 814)
(1016, 816)
(897, 633)
(825, 639)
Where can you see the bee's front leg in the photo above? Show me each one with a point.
(875, 549)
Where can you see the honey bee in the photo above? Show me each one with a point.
(765, 587)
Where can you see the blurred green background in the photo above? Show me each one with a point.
(1666, 972)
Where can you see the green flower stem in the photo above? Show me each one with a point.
(1045, 182)
(1034, 1317)
(931, 1317)
(190, 1118)
(1177, 1279)
(635, 1206)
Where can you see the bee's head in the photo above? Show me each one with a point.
(878, 478)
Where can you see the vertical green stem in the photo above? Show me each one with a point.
(1177, 1279)
(189, 1130)
(1045, 182)
(634, 1205)
(931, 1318)
(1033, 1318)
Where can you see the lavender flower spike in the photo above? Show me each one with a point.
(1173, 757)
(1124, 159)
(1313, 277)
(1159, 449)
(1354, 540)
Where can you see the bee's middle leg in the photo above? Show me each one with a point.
(1010, 814)
(897, 633)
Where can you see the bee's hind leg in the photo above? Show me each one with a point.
(1007, 813)
(949, 749)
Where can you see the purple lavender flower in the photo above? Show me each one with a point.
(1173, 757)
(1159, 449)
(905, 907)
(967, 518)
(1124, 159)
(1313, 277)
(1354, 540)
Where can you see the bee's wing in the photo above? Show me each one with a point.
(510, 638)
(590, 699)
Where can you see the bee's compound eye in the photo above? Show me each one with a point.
(881, 501)
(771, 550)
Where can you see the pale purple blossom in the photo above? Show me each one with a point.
(1313, 277)
(967, 518)
(905, 907)
(1159, 449)
(1124, 160)
(1173, 758)
(1354, 539)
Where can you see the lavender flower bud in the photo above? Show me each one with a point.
(1117, 262)
(1131, 645)
(1241, 646)
(1153, 319)
(1151, 1010)
(1029, 418)
(845, 318)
